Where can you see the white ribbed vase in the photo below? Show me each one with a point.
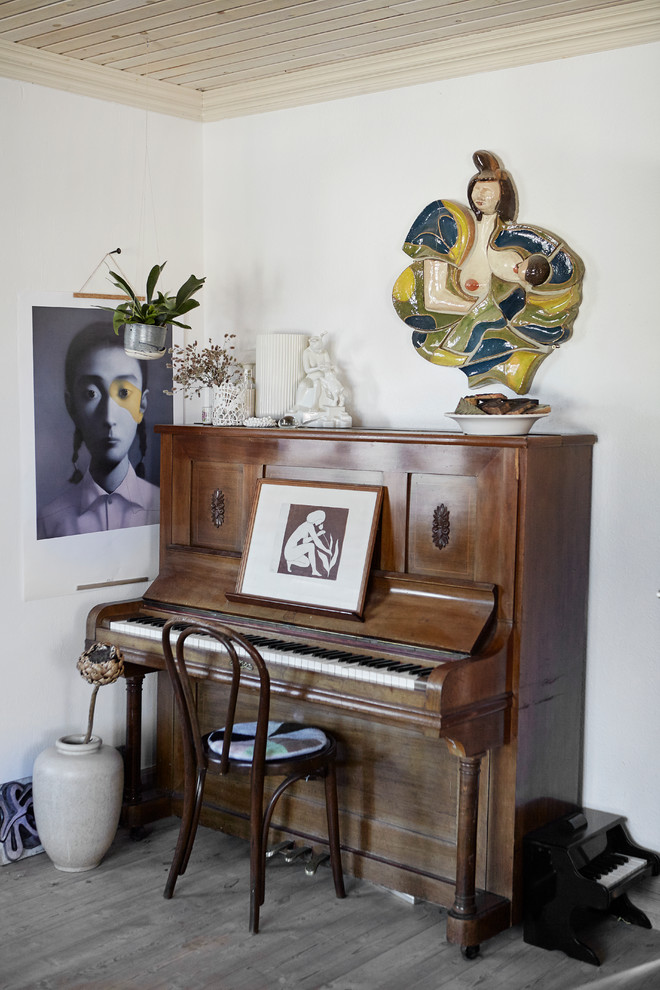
(77, 791)
(279, 370)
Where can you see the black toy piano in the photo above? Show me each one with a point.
(581, 863)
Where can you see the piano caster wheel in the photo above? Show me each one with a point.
(470, 951)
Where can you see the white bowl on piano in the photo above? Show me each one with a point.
(480, 424)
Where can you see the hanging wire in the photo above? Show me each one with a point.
(147, 193)
(147, 181)
(81, 294)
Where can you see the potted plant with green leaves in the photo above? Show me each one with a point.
(146, 319)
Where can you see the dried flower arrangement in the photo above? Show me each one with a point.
(100, 664)
(195, 368)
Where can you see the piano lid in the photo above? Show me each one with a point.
(402, 608)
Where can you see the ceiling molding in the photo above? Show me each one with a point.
(85, 79)
(617, 26)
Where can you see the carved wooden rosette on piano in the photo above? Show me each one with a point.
(456, 700)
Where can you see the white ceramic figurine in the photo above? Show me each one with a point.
(320, 394)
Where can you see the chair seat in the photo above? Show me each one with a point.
(285, 739)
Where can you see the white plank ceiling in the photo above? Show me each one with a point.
(211, 59)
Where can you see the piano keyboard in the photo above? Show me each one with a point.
(611, 869)
(337, 663)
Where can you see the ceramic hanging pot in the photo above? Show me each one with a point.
(144, 341)
(77, 792)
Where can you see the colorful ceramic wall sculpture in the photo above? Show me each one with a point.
(486, 294)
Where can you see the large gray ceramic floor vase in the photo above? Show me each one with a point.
(77, 791)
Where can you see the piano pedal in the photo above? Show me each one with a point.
(297, 852)
(279, 847)
(315, 861)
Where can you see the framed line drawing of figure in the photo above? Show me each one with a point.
(95, 459)
(310, 545)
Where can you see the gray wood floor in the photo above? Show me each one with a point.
(111, 929)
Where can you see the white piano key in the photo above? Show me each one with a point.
(356, 672)
(623, 871)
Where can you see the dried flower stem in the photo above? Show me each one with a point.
(100, 664)
(90, 720)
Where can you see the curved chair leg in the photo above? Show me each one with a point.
(192, 805)
(199, 794)
(332, 812)
(265, 826)
(258, 889)
(257, 871)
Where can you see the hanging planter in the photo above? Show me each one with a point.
(146, 320)
(145, 342)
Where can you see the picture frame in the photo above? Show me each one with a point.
(309, 546)
(117, 559)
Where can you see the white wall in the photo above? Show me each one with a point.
(72, 175)
(305, 214)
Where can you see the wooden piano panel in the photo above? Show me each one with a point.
(216, 507)
(463, 521)
(443, 536)
(398, 796)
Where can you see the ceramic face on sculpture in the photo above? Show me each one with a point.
(484, 293)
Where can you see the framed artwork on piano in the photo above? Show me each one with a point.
(309, 546)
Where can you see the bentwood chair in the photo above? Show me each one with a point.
(262, 748)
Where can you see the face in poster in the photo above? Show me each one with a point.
(96, 455)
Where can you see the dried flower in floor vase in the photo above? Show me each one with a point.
(78, 783)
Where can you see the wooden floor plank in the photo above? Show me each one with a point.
(111, 929)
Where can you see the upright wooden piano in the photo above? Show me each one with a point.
(479, 573)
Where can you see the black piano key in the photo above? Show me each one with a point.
(385, 665)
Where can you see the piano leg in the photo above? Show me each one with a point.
(623, 908)
(132, 752)
(475, 915)
(136, 811)
(465, 903)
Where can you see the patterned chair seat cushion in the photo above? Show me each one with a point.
(284, 739)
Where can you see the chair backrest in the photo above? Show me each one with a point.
(240, 655)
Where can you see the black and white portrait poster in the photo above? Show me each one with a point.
(311, 544)
(91, 456)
